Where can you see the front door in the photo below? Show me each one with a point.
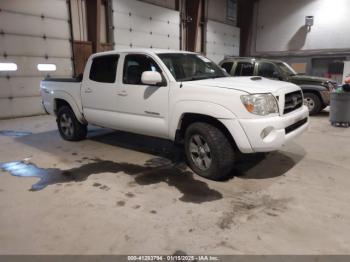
(142, 108)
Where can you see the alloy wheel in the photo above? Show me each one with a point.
(200, 152)
(66, 124)
(310, 103)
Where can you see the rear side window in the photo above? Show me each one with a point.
(244, 69)
(227, 66)
(267, 70)
(104, 69)
(135, 65)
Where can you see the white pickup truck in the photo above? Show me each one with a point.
(180, 96)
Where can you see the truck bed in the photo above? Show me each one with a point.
(73, 79)
(67, 89)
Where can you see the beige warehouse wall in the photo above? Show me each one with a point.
(281, 26)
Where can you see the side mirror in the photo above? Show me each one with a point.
(151, 78)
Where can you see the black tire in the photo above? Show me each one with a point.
(221, 151)
(69, 127)
(313, 102)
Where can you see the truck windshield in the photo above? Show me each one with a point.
(287, 69)
(189, 67)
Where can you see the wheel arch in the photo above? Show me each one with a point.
(63, 99)
(316, 93)
(313, 89)
(189, 118)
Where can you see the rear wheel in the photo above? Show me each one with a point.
(209, 153)
(313, 103)
(69, 127)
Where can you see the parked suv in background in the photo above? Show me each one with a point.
(316, 89)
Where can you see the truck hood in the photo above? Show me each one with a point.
(249, 85)
(305, 79)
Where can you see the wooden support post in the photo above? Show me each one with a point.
(93, 10)
(192, 22)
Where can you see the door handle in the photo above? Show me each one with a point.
(122, 93)
(88, 90)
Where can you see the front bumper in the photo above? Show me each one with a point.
(270, 134)
(43, 106)
(326, 97)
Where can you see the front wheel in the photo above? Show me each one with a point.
(313, 103)
(209, 152)
(69, 127)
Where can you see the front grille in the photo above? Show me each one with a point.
(295, 126)
(293, 101)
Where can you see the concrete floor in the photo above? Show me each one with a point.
(117, 193)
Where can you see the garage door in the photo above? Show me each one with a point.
(139, 24)
(34, 43)
(221, 40)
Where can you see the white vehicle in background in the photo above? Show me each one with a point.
(180, 96)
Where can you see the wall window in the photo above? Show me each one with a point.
(8, 67)
(244, 69)
(329, 67)
(232, 10)
(104, 69)
(46, 67)
(135, 65)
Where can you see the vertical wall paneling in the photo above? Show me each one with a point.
(139, 24)
(32, 32)
(221, 40)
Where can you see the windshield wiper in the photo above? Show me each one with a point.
(200, 77)
(193, 78)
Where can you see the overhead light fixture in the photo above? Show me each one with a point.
(8, 67)
(309, 21)
(46, 67)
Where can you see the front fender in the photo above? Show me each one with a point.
(71, 101)
(323, 92)
(318, 88)
(196, 107)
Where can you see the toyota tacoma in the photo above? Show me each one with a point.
(180, 96)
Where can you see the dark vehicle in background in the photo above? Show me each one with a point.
(316, 89)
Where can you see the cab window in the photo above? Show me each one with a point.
(244, 69)
(104, 69)
(135, 65)
(267, 70)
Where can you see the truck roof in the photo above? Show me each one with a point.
(231, 58)
(141, 50)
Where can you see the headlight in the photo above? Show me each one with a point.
(329, 85)
(260, 104)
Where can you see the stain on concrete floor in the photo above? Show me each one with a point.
(250, 207)
(153, 172)
(13, 133)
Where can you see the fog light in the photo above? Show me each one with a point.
(266, 132)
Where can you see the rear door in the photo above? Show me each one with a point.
(228, 66)
(142, 108)
(99, 90)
